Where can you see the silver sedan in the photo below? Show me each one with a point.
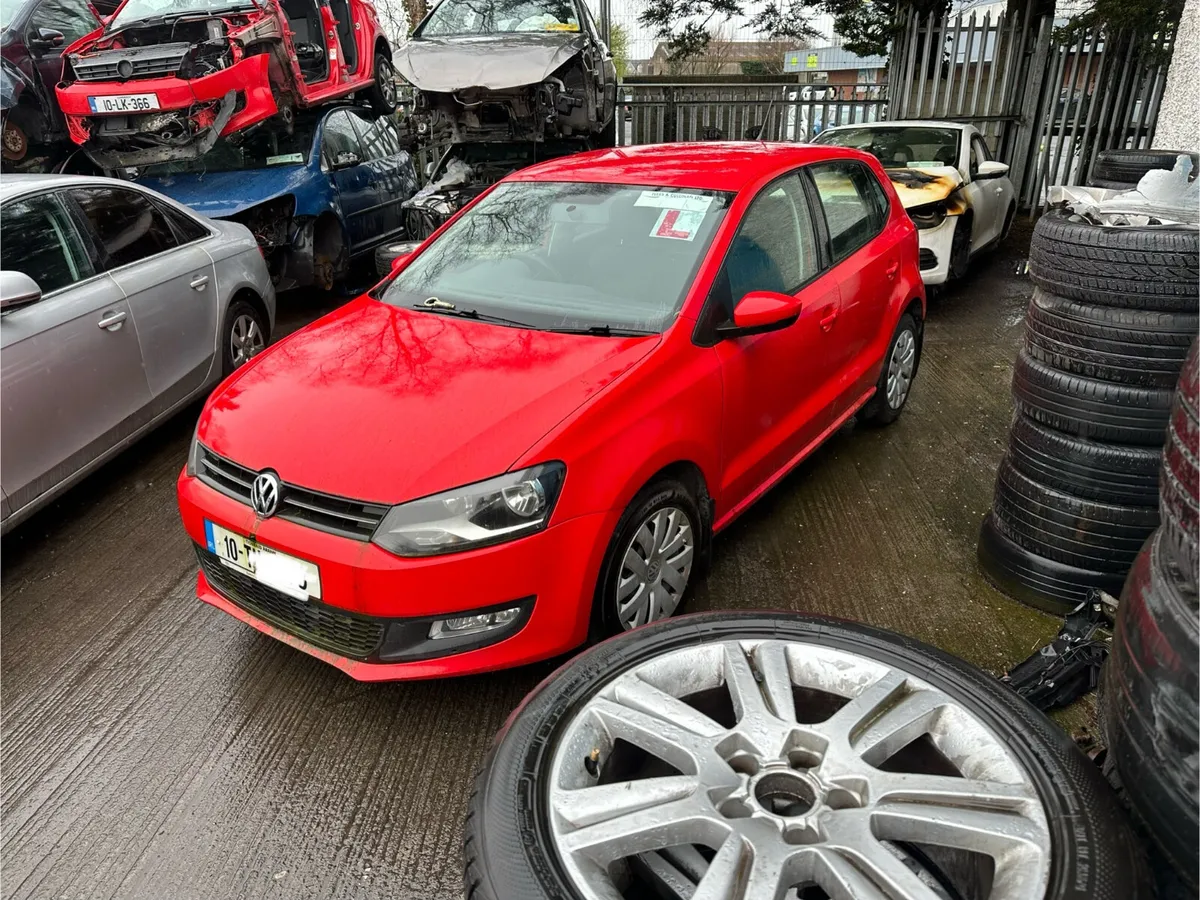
(117, 307)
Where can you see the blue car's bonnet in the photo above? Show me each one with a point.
(223, 194)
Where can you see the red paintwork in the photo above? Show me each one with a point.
(264, 89)
(765, 308)
(385, 404)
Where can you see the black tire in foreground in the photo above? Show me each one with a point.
(1126, 346)
(1125, 168)
(1140, 267)
(1090, 408)
(1088, 469)
(1042, 583)
(710, 722)
(1180, 478)
(1149, 698)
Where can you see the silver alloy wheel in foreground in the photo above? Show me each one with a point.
(655, 568)
(245, 339)
(789, 796)
(900, 368)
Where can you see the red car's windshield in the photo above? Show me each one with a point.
(569, 255)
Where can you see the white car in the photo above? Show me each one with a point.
(959, 197)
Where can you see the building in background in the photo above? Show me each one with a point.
(723, 57)
(835, 65)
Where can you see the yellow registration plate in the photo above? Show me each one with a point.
(295, 577)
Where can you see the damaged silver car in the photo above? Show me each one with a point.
(510, 70)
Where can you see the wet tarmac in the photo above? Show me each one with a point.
(154, 747)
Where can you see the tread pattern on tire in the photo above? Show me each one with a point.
(1088, 407)
(1126, 346)
(1087, 534)
(1126, 167)
(1087, 469)
(1150, 712)
(1141, 267)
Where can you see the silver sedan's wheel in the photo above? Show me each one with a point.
(655, 568)
(901, 365)
(819, 772)
(246, 339)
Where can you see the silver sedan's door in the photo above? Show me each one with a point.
(71, 379)
(168, 280)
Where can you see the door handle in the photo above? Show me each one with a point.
(827, 322)
(198, 283)
(111, 321)
(893, 270)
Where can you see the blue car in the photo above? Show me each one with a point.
(327, 192)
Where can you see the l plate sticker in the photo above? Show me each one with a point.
(677, 224)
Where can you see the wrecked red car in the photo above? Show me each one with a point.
(163, 79)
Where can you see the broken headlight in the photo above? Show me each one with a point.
(477, 515)
(930, 215)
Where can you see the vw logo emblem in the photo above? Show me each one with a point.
(124, 69)
(264, 494)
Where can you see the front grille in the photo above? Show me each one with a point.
(928, 259)
(322, 626)
(325, 512)
(144, 62)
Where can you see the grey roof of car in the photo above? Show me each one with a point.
(22, 184)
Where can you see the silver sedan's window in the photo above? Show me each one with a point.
(39, 236)
(125, 225)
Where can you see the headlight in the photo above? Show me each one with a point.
(478, 515)
(931, 215)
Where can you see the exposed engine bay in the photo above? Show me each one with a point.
(466, 170)
(509, 70)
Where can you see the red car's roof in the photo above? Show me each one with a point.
(725, 166)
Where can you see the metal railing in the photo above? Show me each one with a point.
(658, 113)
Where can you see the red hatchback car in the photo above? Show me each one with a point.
(529, 433)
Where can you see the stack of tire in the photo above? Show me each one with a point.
(1113, 313)
(1123, 169)
(1150, 692)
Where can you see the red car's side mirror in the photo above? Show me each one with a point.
(759, 312)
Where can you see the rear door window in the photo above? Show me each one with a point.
(339, 137)
(126, 226)
(853, 203)
(39, 239)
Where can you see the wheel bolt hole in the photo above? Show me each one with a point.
(785, 794)
(744, 764)
(803, 759)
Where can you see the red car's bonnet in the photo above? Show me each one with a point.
(385, 404)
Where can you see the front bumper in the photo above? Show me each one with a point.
(937, 241)
(387, 602)
(248, 80)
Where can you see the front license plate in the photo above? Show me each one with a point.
(124, 103)
(295, 577)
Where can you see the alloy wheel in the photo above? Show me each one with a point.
(769, 768)
(656, 568)
(246, 339)
(385, 76)
(900, 368)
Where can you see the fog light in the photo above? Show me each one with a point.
(462, 625)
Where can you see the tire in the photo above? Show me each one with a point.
(1086, 534)
(1150, 694)
(1180, 478)
(510, 846)
(245, 328)
(14, 142)
(1126, 167)
(382, 93)
(960, 249)
(607, 136)
(1126, 346)
(1089, 408)
(900, 363)
(1087, 469)
(1041, 583)
(1008, 220)
(664, 597)
(1151, 268)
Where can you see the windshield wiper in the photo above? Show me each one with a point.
(449, 309)
(603, 331)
